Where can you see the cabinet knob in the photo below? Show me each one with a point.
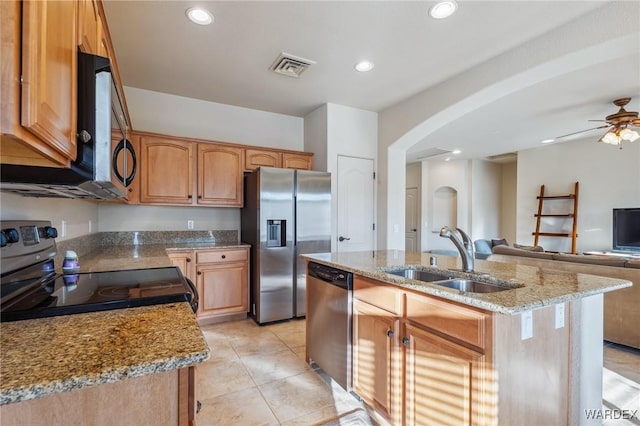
(189, 197)
(406, 341)
(389, 334)
(199, 197)
(199, 272)
(224, 256)
(188, 259)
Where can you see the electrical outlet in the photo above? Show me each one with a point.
(560, 315)
(526, 325)
(63, 229)
(189, 224)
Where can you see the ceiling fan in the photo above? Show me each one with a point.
(619, 125)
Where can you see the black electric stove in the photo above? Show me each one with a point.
(36, 291)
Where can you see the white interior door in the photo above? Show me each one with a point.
(411, 220)
(355, 207)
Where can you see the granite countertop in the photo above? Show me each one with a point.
(532, 287)
(120, 257)
(59, 354)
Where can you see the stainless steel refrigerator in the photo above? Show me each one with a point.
(286, 213)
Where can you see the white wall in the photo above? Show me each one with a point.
(608, 177)
(164, 218)
(81, 217)
(341, 130)
(180, 116)
(315, 137)
(508, 179)
(485, 199)
(575, 45)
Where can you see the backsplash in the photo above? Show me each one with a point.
(87, 243)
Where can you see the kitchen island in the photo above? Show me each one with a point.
(428, 354)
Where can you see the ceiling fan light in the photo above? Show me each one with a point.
(611, 138)
(629, 135)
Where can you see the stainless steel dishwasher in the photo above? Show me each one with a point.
(329, 310)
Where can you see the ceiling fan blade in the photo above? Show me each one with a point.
(581, 131)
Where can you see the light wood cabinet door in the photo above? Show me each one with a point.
(220, 178)
(376, 359)
(89, 33)
(299, 161)
(254, 158)
(443, 381)
(166, 171)
(222, 288)
(49, 73)
(184, 261)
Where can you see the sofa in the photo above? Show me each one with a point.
(621, 307)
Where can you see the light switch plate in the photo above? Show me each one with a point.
(526, 325)
(560, 315)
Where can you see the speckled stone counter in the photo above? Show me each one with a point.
(59, 354)
(530, 287)
(48, 355)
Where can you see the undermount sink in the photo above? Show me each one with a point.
(446, 280)
(417, 274)
(470, 286)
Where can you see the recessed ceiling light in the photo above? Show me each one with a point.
(199, 16)
(547, 141)
(364, 66)
(456, 152)
(447, 159)
(443, 9)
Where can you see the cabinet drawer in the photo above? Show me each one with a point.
(216, 256)
(461, 323)
(378, 294)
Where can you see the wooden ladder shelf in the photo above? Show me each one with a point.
(574, 216)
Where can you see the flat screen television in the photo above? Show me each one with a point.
(626, 229)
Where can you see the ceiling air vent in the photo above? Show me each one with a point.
(509, 157)
(290, 65)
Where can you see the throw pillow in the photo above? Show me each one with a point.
(502, 242)
(528, 248)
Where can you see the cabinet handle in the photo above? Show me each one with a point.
(406, 341)
(224, 256)
(389, 334)
(199, 272)
(188, 259)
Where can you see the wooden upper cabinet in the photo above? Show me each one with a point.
(166, 171)
(300, 161)
(39, 115)
(254, 158)
(220, 179)
(89, 27)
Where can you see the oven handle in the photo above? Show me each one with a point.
(195, 299)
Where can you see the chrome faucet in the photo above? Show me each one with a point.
(465, 247)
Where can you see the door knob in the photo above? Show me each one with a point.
(341, 238)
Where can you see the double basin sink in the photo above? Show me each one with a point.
(461, 284)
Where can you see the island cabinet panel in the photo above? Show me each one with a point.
(254, 158)
(378, 294)
(166, 171)
(125, 402)
(222, 280)
(376, 359)
(444, 382)
(220, 180)
(300, 161)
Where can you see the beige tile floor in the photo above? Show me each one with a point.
(258, 376)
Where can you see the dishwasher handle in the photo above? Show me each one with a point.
(331, 275)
